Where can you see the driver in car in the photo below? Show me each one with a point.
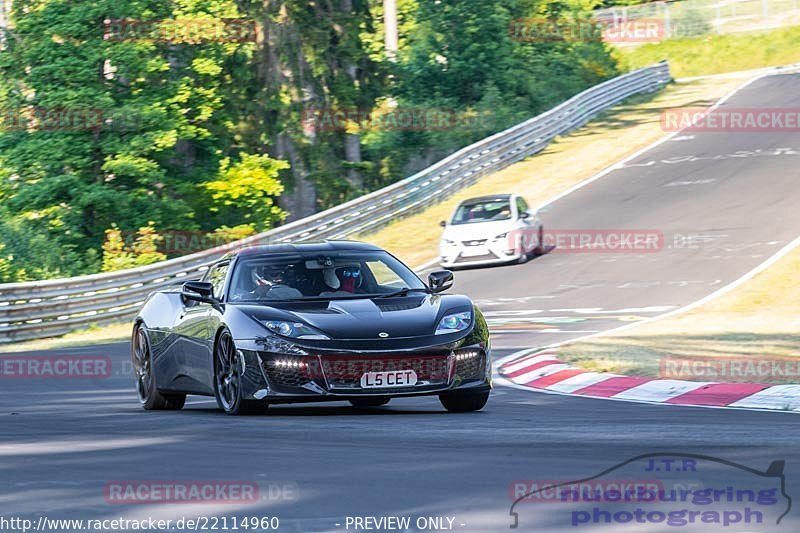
(343, 279)
(269, 284)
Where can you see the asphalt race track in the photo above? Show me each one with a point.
(724, 203)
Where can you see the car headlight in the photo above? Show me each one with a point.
(448, 242)
(502, 236)
(275, 344)
(453, 323)
(295, 330)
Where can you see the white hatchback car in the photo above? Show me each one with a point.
(491, 229)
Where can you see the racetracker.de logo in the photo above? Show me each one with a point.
(184, 242)
(396, 119)
(181, 31)
(602, 490)
(55, 367)
(165, 491)
(581, 241)
(650, 30)
(729, 368)
(427, 367)
(64, 119)
(724, 119)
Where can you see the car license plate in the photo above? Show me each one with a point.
(473, 251)
(384, 380)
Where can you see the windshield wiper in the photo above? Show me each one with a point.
(402, 292)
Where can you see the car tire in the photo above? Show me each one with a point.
(150, 397)
(228, 380)
(539, 250)
(374, 401)
(464, 402)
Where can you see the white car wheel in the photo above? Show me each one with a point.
(539, 250)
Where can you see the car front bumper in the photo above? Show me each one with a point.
(480, 252)
(322, 376)
(491, 258)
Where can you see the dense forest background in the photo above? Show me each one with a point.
(122, 120)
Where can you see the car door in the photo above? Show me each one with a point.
(526, 224)
(195, 332)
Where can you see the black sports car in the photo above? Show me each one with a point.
(286, 323)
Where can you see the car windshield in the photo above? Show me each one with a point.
(331, 276)
(482, 211)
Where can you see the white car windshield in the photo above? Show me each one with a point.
(483, 211)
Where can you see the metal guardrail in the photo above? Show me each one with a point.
(46, 308)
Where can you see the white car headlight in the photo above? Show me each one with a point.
(454, 322)
(501, 236)
(448, 242)
(295, 330)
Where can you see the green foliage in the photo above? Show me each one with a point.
(612, 3)
(692, 22)
(31, 254)
(119, 255)
(248, 188)
(225, 235)
(116, 256)
(106, 131)
(6, 272)
(464, 58)
(714, 54)
(145, 247)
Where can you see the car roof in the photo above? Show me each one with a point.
(490, 198)
(303, 247)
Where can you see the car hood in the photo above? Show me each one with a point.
(363, 319)
(477, 230)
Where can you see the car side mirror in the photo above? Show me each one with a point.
(443, 223)
(440, 280)
(524, 215)
(199, 291)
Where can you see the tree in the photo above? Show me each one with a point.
(119, 255)
(110, 121)
(462, 58)
(312, 56)
(6, 272)
(116, 118)
(247, 190)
